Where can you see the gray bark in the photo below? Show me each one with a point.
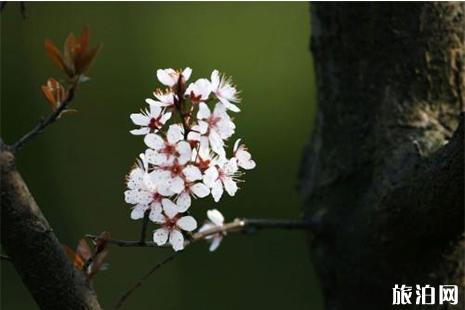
(35, 251)
(383, 173)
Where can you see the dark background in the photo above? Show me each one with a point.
(76, 169)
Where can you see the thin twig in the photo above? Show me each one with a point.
(5, 258)
(43, 123)
(238, 225)
(124, 243)
(144, 277)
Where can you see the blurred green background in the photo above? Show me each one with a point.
(76, 169)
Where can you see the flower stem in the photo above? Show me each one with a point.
(143, 233)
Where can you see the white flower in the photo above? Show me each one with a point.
(164, 99)
(195, 190)
(171, 226)
(244, 159)
(214, 127)
(216, 220)
(199, 91)
(163, 152)
(222, 174)
(170, 77)
(141, 193)
(175, 177)
(149, 120)
(224, 90)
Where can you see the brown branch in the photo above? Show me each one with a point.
(143, 233)
(238, 225)
(43, 123)
(29, 241)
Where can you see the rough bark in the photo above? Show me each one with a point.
(35, 251)
(383, 172)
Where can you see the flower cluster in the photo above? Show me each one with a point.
(186, 128)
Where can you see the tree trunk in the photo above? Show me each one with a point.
(383, 173)
(35, 251)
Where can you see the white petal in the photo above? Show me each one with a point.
(156, 216)
(186, 73)
(200, 190)
(151, 102)
(155, 111)
(141, 131)
(216, 217)
(210, 176)
(242, 155)
(140, 119)
(166, 76)
(202, 127)
(193, 136)
(136, 177)
(215, 80)
(165, 117)
(169, 207)
(231, 166)
(156, 158)
(131, 196)
(230, 186)
(217, 144)
(176, 240)
(187, 223)
(176, 185)
(138, 212)
(164, 189)
(185, 152)
(159, 176)
(204, 111)
(215, 242)
(217, 190)
(160, 236)
(247, 165)
(192, 173)
(175, 134)
(205, 227)
(154, 141)
(230, 106)
(183, 202)
(144, 197)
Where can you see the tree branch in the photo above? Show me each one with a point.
(29, 241)
(143, 233)
(128, 293)
(238, 225)
(43, 123)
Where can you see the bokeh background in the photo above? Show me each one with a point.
(76, 169)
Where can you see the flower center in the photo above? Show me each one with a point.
(156, 197)
(170, 224)
(169, 149)
(221, 174)
(194, 98)
(203, 164)
(213, 121)
(154, 123)
(176, 169)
